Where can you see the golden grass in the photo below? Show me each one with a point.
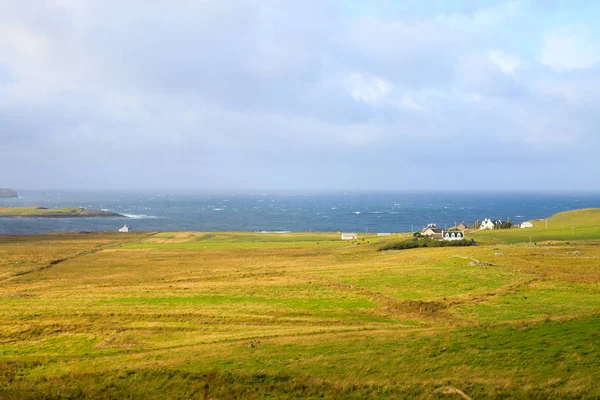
(129, 316)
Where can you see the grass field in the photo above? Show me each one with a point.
(244, 315)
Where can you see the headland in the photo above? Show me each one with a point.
(43, 212)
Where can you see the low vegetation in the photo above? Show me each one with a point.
(425, 242)
(241, 315)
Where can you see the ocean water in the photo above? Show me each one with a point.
(296, 212)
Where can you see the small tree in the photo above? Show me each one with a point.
(503, 225)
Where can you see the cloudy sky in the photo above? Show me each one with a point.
(314, 94)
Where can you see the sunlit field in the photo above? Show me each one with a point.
(250, 315)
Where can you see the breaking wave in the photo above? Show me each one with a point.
(140, 216)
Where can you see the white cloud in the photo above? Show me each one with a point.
(17, 41)
(570, 48)
(367, 89)
(481, 19)
(508, 63)
(408, 102)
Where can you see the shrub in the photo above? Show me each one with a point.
(503, 225)
(425, 242)
(407, 244)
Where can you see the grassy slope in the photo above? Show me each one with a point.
(258, 315)
(570, 225)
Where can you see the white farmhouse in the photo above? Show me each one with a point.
(349, 236)
(487, 224)
(124, 229)
(450, 236)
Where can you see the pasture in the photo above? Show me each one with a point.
(302, 315)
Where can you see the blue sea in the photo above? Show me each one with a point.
(295, 212)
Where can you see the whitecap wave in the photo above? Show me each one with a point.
(140, 216)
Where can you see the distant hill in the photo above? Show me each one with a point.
(8, 193)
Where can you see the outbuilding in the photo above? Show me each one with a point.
(124, 229)
(527, 224)
(431, 231)
(349, 236)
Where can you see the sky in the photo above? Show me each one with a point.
(300, 95)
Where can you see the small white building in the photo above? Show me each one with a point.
(384, 234)
(527, 224)
(487, 224)
(453, 235)
(124, 229)
(349, 236)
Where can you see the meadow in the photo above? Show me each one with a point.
(302, 315)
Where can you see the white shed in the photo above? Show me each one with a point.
(124, 229)
(349, 236)
(527, 224)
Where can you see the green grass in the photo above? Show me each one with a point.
(570, 225)
(302, 315)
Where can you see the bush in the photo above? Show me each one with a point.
(503, 225)
(425, 242)
(407, 244)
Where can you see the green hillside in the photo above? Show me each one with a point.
(569, 225)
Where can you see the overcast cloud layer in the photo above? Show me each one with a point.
(267, 94)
